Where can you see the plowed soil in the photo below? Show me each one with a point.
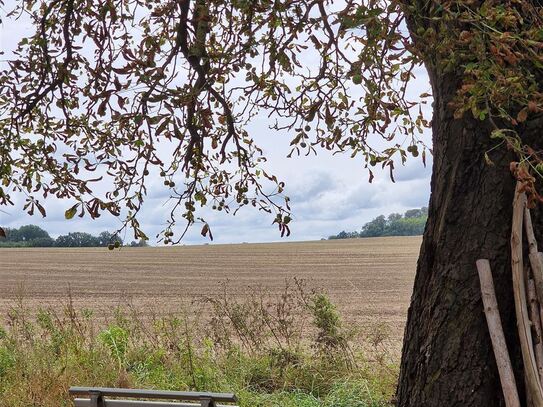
(370, 280)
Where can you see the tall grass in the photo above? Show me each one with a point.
(288, 350)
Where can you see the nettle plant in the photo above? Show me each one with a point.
(105, 95)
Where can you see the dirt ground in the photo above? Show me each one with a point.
(370, 280)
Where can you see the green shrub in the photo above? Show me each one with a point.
(115, 339)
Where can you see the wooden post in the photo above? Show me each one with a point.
(536, 324)
(535, 258)
(492, 313)
(521, 303)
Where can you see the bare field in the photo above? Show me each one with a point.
(369, 279)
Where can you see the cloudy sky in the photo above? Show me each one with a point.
(328, 193)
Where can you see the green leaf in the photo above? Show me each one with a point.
(70, 213)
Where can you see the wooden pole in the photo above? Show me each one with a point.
(535, 290)
(536, 324)
(535, 258)
(521, 303)
(492, 313)
(530, 236)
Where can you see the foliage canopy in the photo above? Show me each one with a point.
(105, 95)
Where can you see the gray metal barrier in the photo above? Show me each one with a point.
(109, 397)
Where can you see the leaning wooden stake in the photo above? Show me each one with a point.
(536, 325)
(535, 258)
(505, 370)
(521, 308)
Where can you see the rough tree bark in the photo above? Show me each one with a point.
(447, 358)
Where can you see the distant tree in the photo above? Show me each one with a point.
(406, 227)
(34, 236)
(77, 239)
(42, 242)
(394, 225)
(393, 217)
(340, 235)
(140, 243)
(12, 234)
(374, 228)
(343, 235)
(106, 238)
(413, 213)
(27, 236)
(29, 232)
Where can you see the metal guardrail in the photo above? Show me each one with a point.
(100, 397)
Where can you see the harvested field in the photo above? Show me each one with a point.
(369, 279)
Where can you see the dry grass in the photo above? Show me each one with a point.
(369, 279)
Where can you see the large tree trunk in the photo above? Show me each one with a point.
(447, 357)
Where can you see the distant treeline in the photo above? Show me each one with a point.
(34, 236)
(411, 223)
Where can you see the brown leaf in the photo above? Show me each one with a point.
(206, 230)
(522, 115)
(532, 106)
(41, 209)
(165, 123)
(102, 108)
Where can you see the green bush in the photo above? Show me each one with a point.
(115, 339)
